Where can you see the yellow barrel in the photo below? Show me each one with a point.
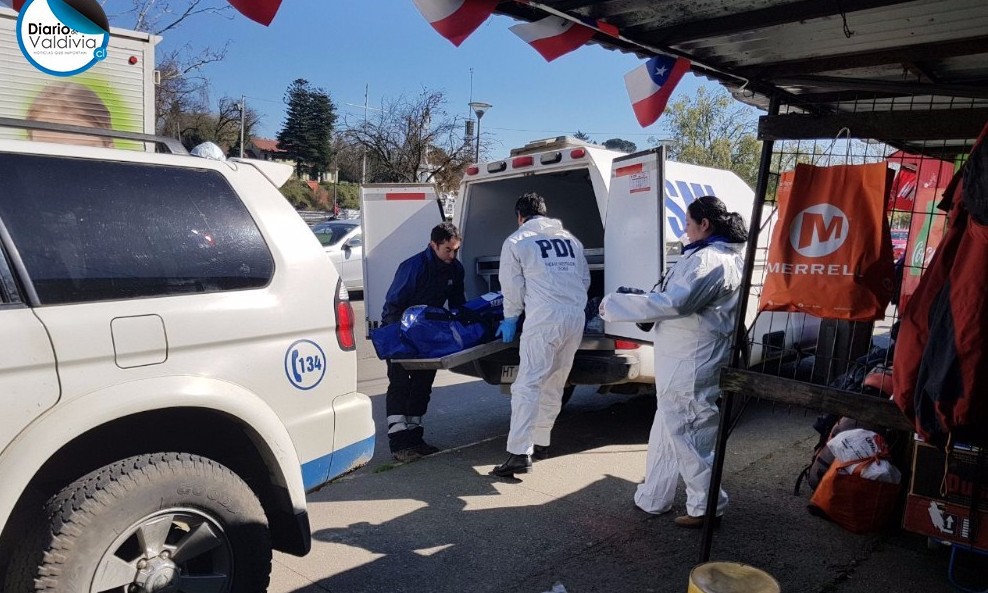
(730, 577)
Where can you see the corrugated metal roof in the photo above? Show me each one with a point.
(820, 56)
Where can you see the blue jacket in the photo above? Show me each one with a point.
(423, 279)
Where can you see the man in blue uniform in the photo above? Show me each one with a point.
(432, 277)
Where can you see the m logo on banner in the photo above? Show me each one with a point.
(819, 230)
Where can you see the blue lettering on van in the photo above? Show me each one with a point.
(305, 364)
(679, 195)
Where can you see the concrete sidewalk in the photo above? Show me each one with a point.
(442, 525)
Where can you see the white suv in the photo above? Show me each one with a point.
(177, 371)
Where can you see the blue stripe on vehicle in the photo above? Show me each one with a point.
(317, 472)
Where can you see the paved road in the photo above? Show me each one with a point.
(442, 525)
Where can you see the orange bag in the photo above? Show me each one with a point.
(857, 504)
(831, 252)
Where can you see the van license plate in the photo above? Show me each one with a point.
(509, 373)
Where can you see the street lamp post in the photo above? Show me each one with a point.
(480, 109)
(243, 114)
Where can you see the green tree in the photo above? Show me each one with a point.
(299, 194)
(182, 90)
(348, 195)
(620, 144)
(713, 130)
(413, 139)
(581, 135)
(306, 135)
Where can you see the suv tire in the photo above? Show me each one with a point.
(143, 522)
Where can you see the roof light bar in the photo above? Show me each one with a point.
(497, 167)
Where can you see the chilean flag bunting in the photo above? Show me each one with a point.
(553, 36)
(456, 19)
(651, 84)
(261, 11)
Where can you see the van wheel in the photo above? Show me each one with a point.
(568, 393)
(158, 522)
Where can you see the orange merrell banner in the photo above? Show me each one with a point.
(831, 253)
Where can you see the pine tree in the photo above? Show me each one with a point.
(307, 132)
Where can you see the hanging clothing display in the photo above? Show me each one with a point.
(941, 357)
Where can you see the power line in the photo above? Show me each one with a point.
(616, 134)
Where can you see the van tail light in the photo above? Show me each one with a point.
(625, 345)
(522, 161)
(344, 318)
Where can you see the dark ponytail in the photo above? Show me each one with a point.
(729, 225)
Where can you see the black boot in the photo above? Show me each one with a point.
(515, 464)
(541, 452)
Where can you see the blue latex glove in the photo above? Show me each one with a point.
(507, 329)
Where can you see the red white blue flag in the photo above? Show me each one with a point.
(553, 36)
(261, 11)
(15, 4)
(651, 84)
(456, 19)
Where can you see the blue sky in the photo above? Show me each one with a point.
(343, 45)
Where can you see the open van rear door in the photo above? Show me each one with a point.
(396, 221)
(634, 242)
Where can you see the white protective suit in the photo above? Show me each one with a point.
(542, 271)
(694, 307)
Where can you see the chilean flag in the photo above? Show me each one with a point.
(456, 19)
(651, 84)
(15, 4)
(261, 11)
(553, 36)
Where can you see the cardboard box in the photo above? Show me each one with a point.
(956, 481)
(946, 522)
(948, 498)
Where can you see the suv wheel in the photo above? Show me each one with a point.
(165, 522)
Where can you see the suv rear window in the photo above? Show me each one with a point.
(99, 230)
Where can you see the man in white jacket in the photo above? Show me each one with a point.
(694, 307)
(544, 273)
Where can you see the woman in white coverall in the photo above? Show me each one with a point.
(544, 273)
(694, 306)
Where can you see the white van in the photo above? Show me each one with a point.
(178, 370)
(628, 211)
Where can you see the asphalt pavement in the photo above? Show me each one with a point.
(441, 524)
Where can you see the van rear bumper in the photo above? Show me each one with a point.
(590, 367)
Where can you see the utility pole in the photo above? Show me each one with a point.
(363, 159)
(243, 111)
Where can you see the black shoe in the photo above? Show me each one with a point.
(406, 455)
(540, 453)
(425, 449)
(691, 522)
(515, 464)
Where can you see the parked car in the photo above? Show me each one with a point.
(342, 240)
(178, 370)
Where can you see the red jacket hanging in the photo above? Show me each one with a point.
(941, 355)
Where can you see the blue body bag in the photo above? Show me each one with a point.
(431, 332)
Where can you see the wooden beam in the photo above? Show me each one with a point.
(939, 124)
(929, 52)
(866, 408)
(842, 83)
(761, 18)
